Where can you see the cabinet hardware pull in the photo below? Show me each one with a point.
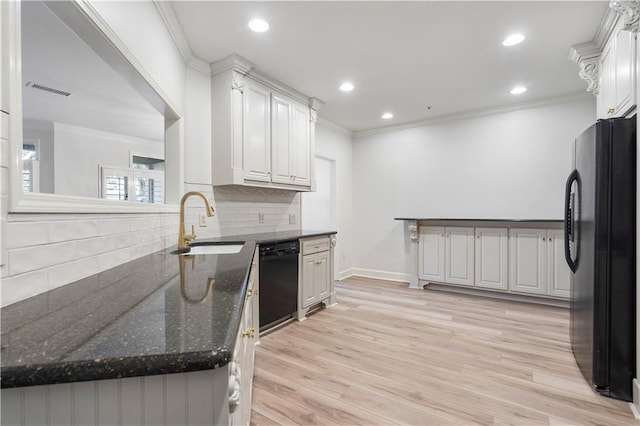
(611, 111)
(249, 333)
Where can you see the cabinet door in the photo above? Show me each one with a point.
(256, 130)
(625, 72)
(558, 272)
(307, 291)
(301, 140)
(431, 248)
(606, 82)
(459, 256)
(281, 139)
(527, 260)
(491, 258)
(321, 275)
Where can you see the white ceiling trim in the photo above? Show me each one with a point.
(335, 127)
(175, 30)
(472, 114)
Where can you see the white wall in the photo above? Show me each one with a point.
(507, 165)
(335, 143)
(197, 128)
(139, 25)
(80, 152)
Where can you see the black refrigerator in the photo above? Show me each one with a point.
(600, 249)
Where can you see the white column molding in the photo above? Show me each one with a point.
(629, 11)
(412, 227)
(332, 240)
(587, 55)
(413, 230)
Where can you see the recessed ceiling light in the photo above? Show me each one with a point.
(387, 115)
(513, 39)
(258, 25)
(518, 89)
(346, 87)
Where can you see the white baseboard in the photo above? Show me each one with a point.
(635, 405)
(372, 273)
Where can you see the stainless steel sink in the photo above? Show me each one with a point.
(212, 248)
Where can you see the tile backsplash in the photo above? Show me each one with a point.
(45, 251)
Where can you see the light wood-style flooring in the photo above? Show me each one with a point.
(387, 355)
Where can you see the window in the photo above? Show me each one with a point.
(30, 167)
(119, 183)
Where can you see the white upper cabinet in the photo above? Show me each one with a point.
(263, 132)
(256, 132)
(617, 88)
(609, 63)
(291, 143)
(301, 156)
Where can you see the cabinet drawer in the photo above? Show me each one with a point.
(315, 245)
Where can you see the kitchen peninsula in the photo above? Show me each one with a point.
(163, 339)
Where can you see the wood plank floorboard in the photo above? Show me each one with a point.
(390, 355)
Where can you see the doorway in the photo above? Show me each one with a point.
(319, 207)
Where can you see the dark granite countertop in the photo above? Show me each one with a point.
(475, 220)
(140, 318)
(270, 237)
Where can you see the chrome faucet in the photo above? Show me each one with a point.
(185, 239)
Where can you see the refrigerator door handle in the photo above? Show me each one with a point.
(569, 225)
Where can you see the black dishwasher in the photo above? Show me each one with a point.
(278, 282)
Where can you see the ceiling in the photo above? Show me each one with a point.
(55, 57)
(402, 57)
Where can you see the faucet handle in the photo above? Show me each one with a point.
(187, 238)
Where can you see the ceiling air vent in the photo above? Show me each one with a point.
(47, 89)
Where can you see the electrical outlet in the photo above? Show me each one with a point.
(260, 217)
(292, 218)
(202, 220)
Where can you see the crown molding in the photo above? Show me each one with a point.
(629, 12)
(473, 114)
(170, 20)
(235, 62)
(334, 127)
(607, 25)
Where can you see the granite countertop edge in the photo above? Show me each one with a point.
(113, 368)
(475, 219)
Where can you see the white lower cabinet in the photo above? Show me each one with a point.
(241, 366)
(491, 254)
(316, 276)
(459, 256)
(446, 254)
(517, 260)
(558, 273)
(431, 249)
(527, 259)
(536, 262)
